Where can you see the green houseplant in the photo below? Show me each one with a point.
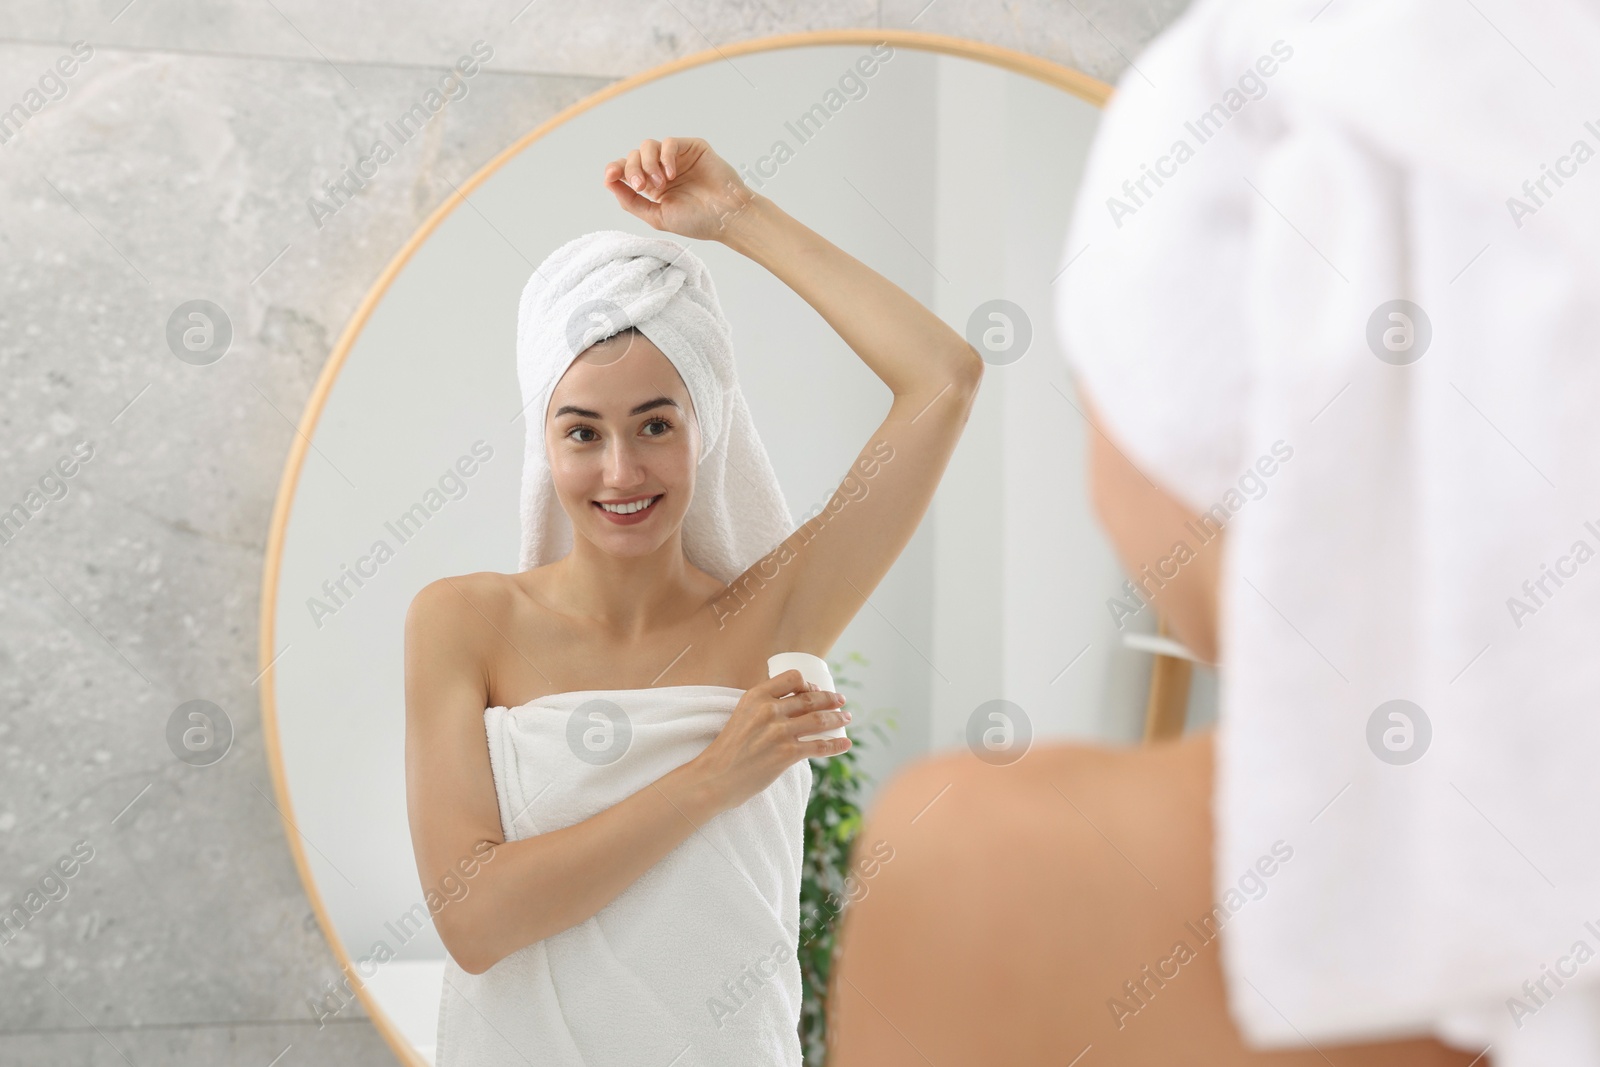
(833, 817)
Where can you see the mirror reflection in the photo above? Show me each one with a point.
(760, 432)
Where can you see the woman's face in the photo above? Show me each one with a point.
(622, 431)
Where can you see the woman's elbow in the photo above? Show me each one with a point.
(472, 964)
(466, 944)
(472, 959)
(969, 370)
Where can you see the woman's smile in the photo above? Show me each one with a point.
(630, 511)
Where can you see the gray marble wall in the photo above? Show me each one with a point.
(173, 164)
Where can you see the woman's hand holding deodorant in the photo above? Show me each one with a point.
(814, 672)
(775, 725)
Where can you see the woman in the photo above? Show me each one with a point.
(592, 914)
(1032, 914)
(1313, 258)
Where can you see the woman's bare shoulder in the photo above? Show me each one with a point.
(453, 628)
(483, 598)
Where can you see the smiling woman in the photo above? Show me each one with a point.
(646, 495)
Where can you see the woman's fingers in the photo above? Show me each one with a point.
(622, 176)
(679, 154)
(665, 160)
(635, 171)
(638, 206)
(677, 184)
(818, 722)
(810, 700)
(629, 170)
(650, 162)
(781, 685)
(616, 174)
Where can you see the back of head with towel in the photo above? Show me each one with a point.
(1364, 233)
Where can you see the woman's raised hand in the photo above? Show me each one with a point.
(679, 185)
(759, 741)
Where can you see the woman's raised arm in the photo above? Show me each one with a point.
(828, 566)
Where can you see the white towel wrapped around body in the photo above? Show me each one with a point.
(695, 963)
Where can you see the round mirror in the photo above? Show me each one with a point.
(947, 166)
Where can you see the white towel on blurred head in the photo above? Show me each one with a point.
(598, 285)
(1337, 157)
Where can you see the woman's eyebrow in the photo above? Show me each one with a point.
(657, 402)
(584, 413)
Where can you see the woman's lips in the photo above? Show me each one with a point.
(633, 519)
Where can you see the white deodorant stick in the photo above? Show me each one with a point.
(813, 669)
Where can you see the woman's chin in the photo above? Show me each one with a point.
(629, 541)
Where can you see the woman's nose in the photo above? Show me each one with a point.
(623, 468)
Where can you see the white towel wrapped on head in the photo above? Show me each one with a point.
(1235, 306)
(598, 285)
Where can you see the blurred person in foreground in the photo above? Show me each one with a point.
(1331, 297)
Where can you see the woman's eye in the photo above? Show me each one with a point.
(581, 430)
(663, 423)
